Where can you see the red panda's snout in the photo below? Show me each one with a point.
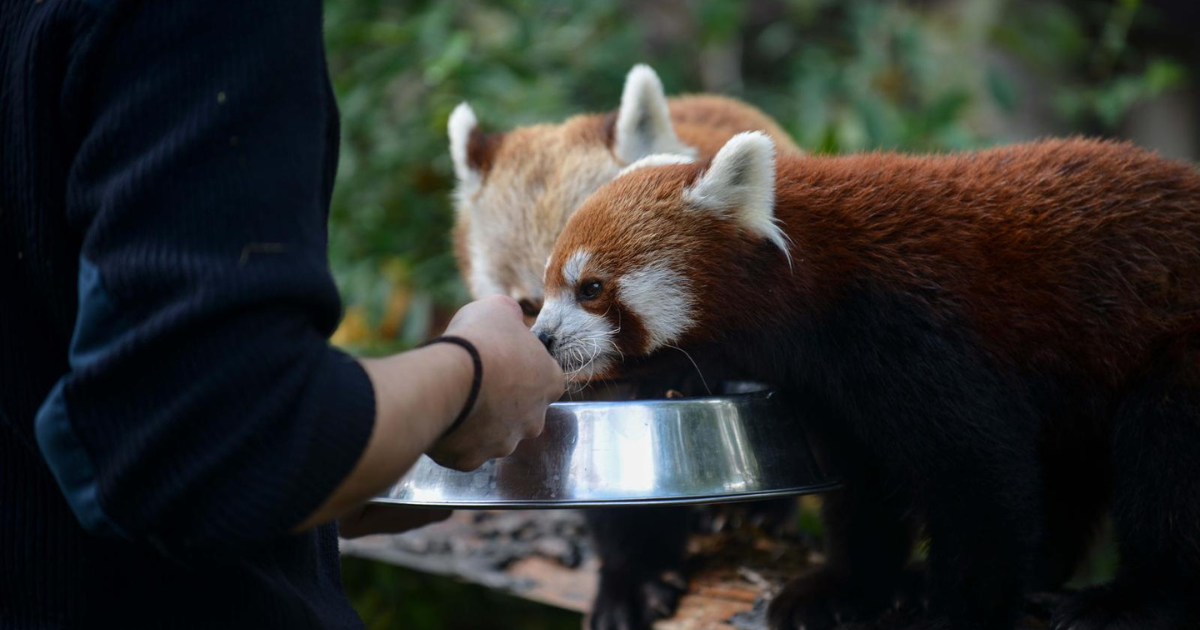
(579, 338)
(598, 313)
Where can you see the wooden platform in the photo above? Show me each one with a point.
(544, 556)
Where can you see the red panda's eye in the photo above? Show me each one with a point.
(590, 290)
(528, 307)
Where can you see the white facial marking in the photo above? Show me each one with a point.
(644, 119)
(573, 269)
(740, 183)
(658, 159)
(583, 342)
(662, 299)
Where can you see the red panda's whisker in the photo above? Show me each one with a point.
(577, 360)
(578, 386)
(689, 357)
(592, 358)
(607, 338)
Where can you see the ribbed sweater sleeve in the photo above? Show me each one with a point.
(204, 404)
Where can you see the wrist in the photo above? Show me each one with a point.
(417, 395)
(476, 376)
(422, 390)
(456, 370)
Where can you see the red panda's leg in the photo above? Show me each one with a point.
(1076, 490)
(1156, 505)
(952, 440)
(960, 441)
(868, 542)
(983, 527)
(641, 554)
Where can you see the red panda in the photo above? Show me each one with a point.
(516, 189)
(997, 345)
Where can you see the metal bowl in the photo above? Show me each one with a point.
(693, 450)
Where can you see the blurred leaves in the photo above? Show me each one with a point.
(1083, 51)
(1108, 102)
(392, 598)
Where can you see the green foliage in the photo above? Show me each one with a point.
(850, 76)
(391, 598)
(1086, 55)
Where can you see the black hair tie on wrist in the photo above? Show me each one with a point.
(476, 380)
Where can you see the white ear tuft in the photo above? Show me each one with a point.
(657, 159)
(462, 125)
(644, 120)
(740, 183)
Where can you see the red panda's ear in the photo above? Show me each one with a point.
(643, 125)
(740, 183)
(471, 149)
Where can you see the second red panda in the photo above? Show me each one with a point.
(961, 326)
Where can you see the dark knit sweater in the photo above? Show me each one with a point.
(169, 405)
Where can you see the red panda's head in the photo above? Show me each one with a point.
(645, 263)
(516, 189)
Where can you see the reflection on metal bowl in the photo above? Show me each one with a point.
(735, 447)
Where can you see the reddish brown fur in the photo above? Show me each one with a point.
(481, 149)
(1065, 256)
(707, 122)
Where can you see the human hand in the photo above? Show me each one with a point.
(374, 518)
(520, 379)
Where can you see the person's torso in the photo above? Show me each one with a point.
(52, 573)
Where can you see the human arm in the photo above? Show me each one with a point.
(419, 393)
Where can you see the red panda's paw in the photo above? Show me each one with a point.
(630, 601)
(822, 601)
(1129, 607)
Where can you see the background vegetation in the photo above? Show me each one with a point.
(840, 75)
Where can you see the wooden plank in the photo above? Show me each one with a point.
(545, 557)
(556, 585)
(514, 562)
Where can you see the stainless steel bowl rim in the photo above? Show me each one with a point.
(713, 449)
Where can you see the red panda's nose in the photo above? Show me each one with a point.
(547, 340)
